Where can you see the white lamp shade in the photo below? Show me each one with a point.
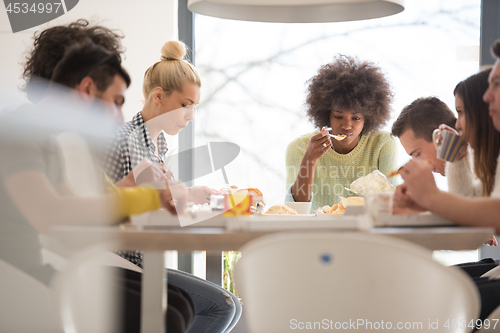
(296, 11)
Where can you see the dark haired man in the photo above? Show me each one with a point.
(92, 71)
(49, 47)
(34, 191)
(414, 127)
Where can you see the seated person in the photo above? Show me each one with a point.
(420, 189)
(474, 175)
(129, 200)
(353, 98)
(34, 190)
(171, 90)
(414, 127)
(49, 47)
(417, 121)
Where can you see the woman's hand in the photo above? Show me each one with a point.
(200, 195)
(446, 127)
(153, 175)
(462, 152)
(318, 145)
(148, 173)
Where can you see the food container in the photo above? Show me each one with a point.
(217, 202)
(237, 204)
(378, 204)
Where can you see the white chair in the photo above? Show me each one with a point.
(318, 281)
(26, 304)
(86, 294)
(81, 172)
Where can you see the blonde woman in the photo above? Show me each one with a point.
(171, 91)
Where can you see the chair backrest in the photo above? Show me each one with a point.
(26, 304)
(87, 293)
(342, 281)
(81, 172)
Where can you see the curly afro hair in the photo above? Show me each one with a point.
(347, 84)
(50, 45)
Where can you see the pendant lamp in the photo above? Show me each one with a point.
(296, 11)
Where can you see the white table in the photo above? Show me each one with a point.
(155, 240)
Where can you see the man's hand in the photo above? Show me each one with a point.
(492, 241)
(127, 181)
(174, 197)
(404, 203)
(419, 183)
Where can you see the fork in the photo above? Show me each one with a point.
(336, 137)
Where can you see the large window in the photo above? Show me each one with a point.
(254, 76)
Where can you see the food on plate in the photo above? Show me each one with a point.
(340, 137)
(234, 189)
(243, 201)
(193, 208)
(229, 189)
(280, 210)
(255, 191)
(351, 201)
(333, 210)
(374, 182)
(258, 196)
(339, 209)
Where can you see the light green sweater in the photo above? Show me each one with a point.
(336, 171)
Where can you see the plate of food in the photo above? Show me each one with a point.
(283, 210)
(340, 208)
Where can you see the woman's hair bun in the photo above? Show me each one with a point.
(173, 50)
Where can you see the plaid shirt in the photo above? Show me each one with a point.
(132, 144)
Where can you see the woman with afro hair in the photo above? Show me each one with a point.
(352, 98)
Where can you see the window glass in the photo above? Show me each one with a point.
(254, 77)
